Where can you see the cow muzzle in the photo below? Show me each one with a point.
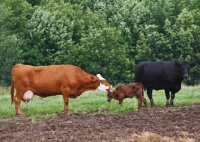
(185, 75)
(108, 100)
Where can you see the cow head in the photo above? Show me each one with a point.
(185, 67)
(112, 95)
(104, 85)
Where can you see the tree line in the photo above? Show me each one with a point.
(100, 36)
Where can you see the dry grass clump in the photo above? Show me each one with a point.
(152, 137)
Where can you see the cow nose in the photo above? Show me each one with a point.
(108, 100)
(185, 75)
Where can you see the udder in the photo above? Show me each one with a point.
(28, 96)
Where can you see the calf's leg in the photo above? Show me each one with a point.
(140, 100)
(139, 103)
(120, 102)
(144, 101)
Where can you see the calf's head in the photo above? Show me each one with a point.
(112, 95)
(185, 67)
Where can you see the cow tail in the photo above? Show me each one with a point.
(12, 91)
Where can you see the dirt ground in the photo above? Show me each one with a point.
(108, 127)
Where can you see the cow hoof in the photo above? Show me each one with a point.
(152, 105)
(167, 105)
(21, 114)
(67, 112)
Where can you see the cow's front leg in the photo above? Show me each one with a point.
(172, 99)
(149, 93)
(120, 102)
(167, 97)
(65, 94)
(17, 102)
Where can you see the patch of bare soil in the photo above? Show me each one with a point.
(169, 122)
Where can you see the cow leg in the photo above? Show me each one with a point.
(120, 102)
(17, 101)
(66, 100)
(144, 101)
(139, 104)
(140, 100)
(172, 98)
(149, 93)
(167, 97)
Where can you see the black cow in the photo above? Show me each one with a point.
(162, 75)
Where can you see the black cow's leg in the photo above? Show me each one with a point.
(149, 93)
(172, 98)
(167, 97)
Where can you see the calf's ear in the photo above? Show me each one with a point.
(192, 65)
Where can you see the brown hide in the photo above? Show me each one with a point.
(128, 91)
(68, 80)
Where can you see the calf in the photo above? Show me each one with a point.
(128, 91)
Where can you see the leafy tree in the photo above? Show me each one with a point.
(187, 34)
(9, 46)
(47, 31)
(101, 50)
(21, 12)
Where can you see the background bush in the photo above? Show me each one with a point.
(106, 37)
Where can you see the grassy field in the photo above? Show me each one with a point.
(91, 100)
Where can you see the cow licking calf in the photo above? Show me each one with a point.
(68, 80)
(128, 91)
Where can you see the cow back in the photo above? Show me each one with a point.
(49, 80)
(158, 75)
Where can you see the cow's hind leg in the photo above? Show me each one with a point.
(144, 101)
(149, 93)
(139, 103)
(167, 97)
(140, 100)
(17, 102)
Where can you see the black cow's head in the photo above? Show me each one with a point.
(185, 67)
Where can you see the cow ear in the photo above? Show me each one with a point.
(94, 79)
(192, 65)
(177, 64)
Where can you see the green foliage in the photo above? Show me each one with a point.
(9, 46)
(100, 50)
(100, 36)
(47, 31)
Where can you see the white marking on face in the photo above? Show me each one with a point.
(102, 87)
(100, 77)
(28, 96)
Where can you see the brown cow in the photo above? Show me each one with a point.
(128, 91)
(68, 80)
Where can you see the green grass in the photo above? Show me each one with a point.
(91, 101)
